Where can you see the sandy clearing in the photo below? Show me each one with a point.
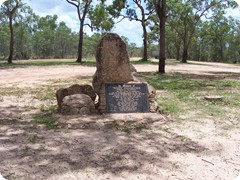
(192, 150)
(37, 74)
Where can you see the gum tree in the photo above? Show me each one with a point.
(186, 16)
(44, 36)
(24, 27)
(4, 37)
(96, 17)
(140, 13)
(161, 10)
(9, 8)
(62, 40)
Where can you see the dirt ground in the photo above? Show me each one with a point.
(92, 147)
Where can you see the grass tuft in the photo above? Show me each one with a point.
(4, 65)
(181, 94)
(45, 119)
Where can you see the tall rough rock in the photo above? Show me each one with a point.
(112, 65)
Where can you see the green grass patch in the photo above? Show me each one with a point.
(170, 107)
(4, 65)
(124, 128)
(25, 149)
(180, 94)
(45, 119)
(43, 62)
(178, 81)
(11, 91)
(47, 93)
(52, 108)
(128, 127)
(144, 62)
(232, 99)
(32, 138)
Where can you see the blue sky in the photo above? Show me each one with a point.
(67, 13)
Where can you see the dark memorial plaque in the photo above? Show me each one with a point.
(130, 97)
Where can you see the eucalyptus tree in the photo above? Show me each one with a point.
(186, 15)
(94, 16)
(4, 42)
(4, 37)
(173, 44)
(237, 40)
(218, 32)
(140, 11)
(9, 8)
(24, 25)
(161, 10)
(62, 40)
(90, 44)
(44, 36)
(233, 41)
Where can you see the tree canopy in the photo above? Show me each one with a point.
(182, 30)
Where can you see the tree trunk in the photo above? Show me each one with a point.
(11, 40)
(221, 51)
(238, 58)
(200, 51)
(185, 50)
(145, 54)
(62, 52)
(80, 44)
(162, 44)
(178, 53)
(185, 55)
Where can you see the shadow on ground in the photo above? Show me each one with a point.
(30, 151)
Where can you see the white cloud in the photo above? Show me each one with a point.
(238, 1)
(130, 29)
(59, 7)
(67, 13)
(71, 22)
(62, 9)
(234, 13)
(2, 1)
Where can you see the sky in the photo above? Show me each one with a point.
(67, 13)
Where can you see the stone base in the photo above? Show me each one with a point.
(102, 100)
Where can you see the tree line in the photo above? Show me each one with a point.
(42, 37)
(179, 29)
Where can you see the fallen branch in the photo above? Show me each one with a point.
(208, 161)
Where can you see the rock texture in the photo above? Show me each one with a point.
(75, 89)
(81, 104)
(112, 65)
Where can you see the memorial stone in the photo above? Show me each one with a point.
(113, 67)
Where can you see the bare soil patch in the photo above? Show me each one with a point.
(117, 146)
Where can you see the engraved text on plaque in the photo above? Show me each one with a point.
(130, 97)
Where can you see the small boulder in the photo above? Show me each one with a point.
(81, 104)
(75, 89)
(214, 98)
